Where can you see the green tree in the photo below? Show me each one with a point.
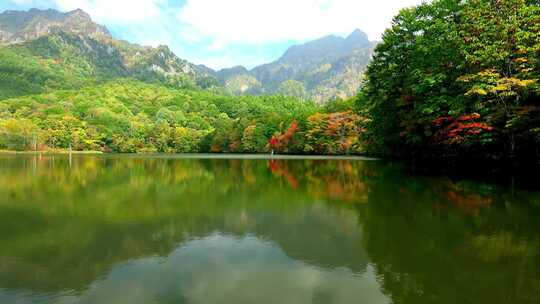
(19, 134)
(292, 88)
(467, 69)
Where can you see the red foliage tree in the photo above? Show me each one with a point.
(459, 130)
(280, 141)
(274, 143)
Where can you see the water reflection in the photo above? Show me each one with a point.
(110, 229)
(226, 269)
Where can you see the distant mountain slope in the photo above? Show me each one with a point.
(327, 68)
(45, 50)
(325, 49)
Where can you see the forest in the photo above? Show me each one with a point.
(449, 79)
(129, 116)
(457, 79)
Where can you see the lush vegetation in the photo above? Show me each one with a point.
(59, 61)
(450, 79)
(457, 78)
(131, 116)
(74, 91)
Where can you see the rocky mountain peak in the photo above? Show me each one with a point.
(21, 26)
(325, 68)
(358, 37)
(328, 48)
(79, 13)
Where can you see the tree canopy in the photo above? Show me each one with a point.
(130, 116)
(454, 77)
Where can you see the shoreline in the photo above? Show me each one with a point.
(199, 155)
(57, 152)
(250, 156)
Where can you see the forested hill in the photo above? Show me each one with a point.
(47, 50)
(130, 116)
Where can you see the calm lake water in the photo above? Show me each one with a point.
(125, 229)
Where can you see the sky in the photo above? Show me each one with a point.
(226, 33)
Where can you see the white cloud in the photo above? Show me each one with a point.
(219, 269)
(223, 33)
(216, 46)
(115, 11)
(263, 21)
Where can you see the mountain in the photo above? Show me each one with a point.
(238, 80)
(43, 50)
(21, 26)
(325, 49)
(327, 68)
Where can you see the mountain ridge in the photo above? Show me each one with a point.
(43, 50)
(21, 26)
(323, 69)
(326, 68)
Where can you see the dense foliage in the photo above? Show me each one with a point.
(50, 63)
(130, 116)
(455, 78)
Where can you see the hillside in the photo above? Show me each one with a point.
(47, 50)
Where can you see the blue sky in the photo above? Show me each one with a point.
(225, 33)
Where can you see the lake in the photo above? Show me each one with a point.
(136, 229)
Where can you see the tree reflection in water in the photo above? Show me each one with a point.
(126, 229)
